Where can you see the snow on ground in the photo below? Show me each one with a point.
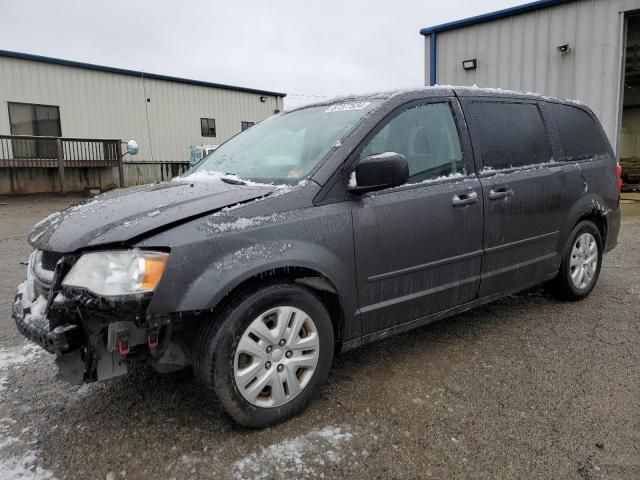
(18, 460)
(23, 467)
(299, 457)
(10, 357)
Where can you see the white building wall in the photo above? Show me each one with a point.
(108, 105)
(519, 53)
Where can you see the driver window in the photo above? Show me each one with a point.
(427, 136)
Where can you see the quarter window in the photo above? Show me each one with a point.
(245, 125)
(427, 136)
(208, 127)
(508, 134)
(579, 134)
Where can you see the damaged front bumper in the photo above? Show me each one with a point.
(94, 338)
(35, 326)
(91, 344)
(81, 357)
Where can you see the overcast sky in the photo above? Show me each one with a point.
(322, 48)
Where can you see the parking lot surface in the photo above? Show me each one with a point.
(526, 387)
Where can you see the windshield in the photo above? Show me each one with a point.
(285, 148)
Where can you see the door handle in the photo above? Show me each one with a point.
(464, 199)
(499, 193)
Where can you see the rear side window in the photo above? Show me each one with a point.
(579, 134)
(508, 134)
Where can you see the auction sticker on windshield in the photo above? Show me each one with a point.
(344, 107)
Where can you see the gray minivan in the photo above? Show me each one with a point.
(320, 230)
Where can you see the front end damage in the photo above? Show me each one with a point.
(94, 338)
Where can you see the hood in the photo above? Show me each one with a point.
(122, 215)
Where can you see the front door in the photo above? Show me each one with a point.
(418, 246)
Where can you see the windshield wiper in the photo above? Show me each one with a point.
(232, 181)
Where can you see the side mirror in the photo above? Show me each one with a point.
(382, 170)
(132, 147)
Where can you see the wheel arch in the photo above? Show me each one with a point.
(320, 283)
(594, 209)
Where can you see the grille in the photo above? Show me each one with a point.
(49, 260)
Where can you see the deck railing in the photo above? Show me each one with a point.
(24, 151)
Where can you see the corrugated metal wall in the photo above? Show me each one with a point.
(519, 53)
(107, 105)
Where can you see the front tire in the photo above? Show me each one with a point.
(581, 263)
(267, 354)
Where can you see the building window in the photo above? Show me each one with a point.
(245, 125)
(34, 120)
(208, 127)
(37, 120)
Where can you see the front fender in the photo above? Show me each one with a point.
(234, 268)
(211, 256)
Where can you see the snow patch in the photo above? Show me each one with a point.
(243, 223)
(17, 460)
(603, 209)
(48, 219)
(353, 181)
(346, 107)
(367, 96)
(37, 309)
(23, 467)
(12, 357)
(294, 458)
(518, 169)
(436, 179)
(440, 178)
(213, 176)
(248, 254)
(385, 155)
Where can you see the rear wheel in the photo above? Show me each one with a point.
(267, 354)
(581, 263)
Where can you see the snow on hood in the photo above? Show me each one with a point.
(122, 215)
(213, 177)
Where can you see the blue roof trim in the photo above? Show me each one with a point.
(132, 73)
(433, 60)
(487, 17)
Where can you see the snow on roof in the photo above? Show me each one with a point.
(435, 89)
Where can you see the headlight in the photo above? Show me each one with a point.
(118, 272)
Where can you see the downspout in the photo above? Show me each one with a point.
(433, 63)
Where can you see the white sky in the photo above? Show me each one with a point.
(322, 48)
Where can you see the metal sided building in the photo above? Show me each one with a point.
(587, 50)
(166, 115)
